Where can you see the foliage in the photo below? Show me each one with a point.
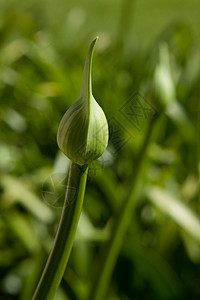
(146, 79)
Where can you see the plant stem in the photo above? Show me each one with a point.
(121, 222)
(59, 255)
(198, 148)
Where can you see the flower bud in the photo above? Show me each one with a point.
(164, 83)
(83, 131)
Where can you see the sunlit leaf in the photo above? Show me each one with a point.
(175, 209)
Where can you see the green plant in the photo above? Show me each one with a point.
(41, 54)
(83, 137)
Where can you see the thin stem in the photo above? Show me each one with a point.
(125, 19)
(121, 222)
(198, 148)
(59, 255)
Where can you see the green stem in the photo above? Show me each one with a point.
(198, 148)
(59, 255)
(121, 222)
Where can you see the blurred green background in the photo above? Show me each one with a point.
(146, 77)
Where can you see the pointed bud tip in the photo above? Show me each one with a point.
(96, 38)
(94, 42)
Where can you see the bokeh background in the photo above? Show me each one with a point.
(146, 77)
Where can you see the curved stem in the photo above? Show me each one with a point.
(59, 255)
(121, 222)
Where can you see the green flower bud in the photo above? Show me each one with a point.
(83, 131)
(164, 83)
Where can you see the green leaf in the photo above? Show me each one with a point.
(175, 209)
(15, 191)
